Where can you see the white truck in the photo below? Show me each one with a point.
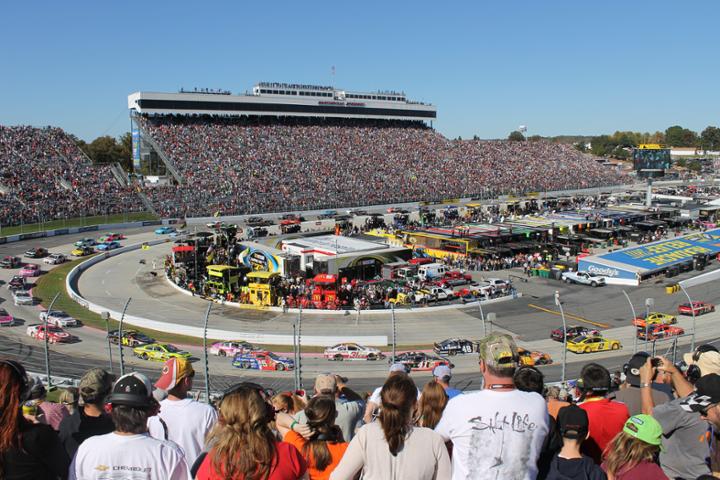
(583, 278)
(431, 271)
(432, 294)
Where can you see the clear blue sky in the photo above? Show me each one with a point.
(557, 66)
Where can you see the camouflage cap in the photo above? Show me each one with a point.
(498, 350)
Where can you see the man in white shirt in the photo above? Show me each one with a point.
(181, 419)
(373, 402)
(129, 451)
(497, 432)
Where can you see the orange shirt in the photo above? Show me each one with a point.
(554, 406)
(337, 450)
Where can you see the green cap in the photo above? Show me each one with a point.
(498, 350)
(645, 428)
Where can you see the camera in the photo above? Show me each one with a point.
(656, 362)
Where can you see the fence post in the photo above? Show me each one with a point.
(692, 310)
(120, 337)
(47, 348)
(298, 366)
(205, 353)
(394, 331)
(106, 316)
(634, 317)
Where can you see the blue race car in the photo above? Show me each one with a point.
(164, 230)
(108, 246)
(262, 360)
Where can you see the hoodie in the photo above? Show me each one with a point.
(574, 469)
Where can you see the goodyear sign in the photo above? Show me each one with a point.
(668, 252)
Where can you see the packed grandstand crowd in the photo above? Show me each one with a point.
(656, 420)
(45, 176)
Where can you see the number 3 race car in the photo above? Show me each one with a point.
(352, 351)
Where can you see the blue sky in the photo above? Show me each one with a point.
(559, 67)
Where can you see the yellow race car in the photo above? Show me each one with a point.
(655, 318)
(583, 344)
(159, 352)
(82, 251)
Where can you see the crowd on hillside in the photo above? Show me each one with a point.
(44, 176)
(655, 421)
(232, 166)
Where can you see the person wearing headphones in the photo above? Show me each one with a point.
(130, 448)
(607, 417)
(27, 449)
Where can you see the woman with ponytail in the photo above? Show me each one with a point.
(242, 446)
(392, 448)
(323, 446)
(27, 449)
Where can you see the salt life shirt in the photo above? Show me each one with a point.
(495, 434)
(128, 457)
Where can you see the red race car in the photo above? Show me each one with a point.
(698, 308)
(55, 334)
(656, 332)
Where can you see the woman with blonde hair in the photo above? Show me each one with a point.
(631, 454)
(242, 446)
(432, 404)
(288, 402)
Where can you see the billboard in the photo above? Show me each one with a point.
(651, 162)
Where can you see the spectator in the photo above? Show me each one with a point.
(433, 400)
(325, 445)
(373, 403)
(27, 450)
(288, 402)
(181, 419)
(345, 392)
(705, 401)
(570, 463)
(348, 413)
(497, 432)
(629, 393)
(130, 448)
(68, 398)
(442, 375)
(49, 413)
(554, 401)
(607, 417)
(90, 419)
(242, 444)
(392, 447)
(631, 454)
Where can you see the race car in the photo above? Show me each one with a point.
(352, 351)
(21, 297)
(230, 348)
(55, 334)
(82, 251)
(6, 320)
(532, 358)
(29, 270)
(10, 262)
(109, 245)
(17, 283)
(453, 346)
(655, 318)
(164, 230)
(130, 338)
(262, 360)
(657, 332)
(583, 344)
(421, 361)
(572, 332)
(159, 352)
(55, 259)
(58, 318)
(698, 308)
(36, 252)
(85, 242)
(257, 222)
(111, 237)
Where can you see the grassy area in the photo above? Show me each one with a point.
(53, 282)
(77, 222)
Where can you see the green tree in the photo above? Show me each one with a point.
(677, 136)
(516, 136)
(710, 138)
(535, 138)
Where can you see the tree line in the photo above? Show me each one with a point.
(108, 150)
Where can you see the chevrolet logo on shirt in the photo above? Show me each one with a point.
(102, 468)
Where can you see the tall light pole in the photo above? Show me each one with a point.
(106, 317)
(634, 317)
(490, 319)
(649, 303)
(482, 318)
(692, 310)
(564, 354)
(205, 354)
(47, 340)
(120, 337)
(394, 330)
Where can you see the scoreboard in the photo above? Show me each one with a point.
(651, 161)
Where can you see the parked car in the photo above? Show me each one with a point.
(29, 270)
(352, 351)
(36, 252)
(10, 262)
(55, 259)
(130, 338)
(583, 278)
(698, 308)
(6, 320)
(454, 346)
(58, 318)
(262, 360)
(21, 297)
(230, 348)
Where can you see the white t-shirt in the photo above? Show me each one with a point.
(124, 457)
(495, 434)
(377, 400)
(187, 423)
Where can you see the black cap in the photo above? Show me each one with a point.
(632, 375)
(573, 422)
(707, 392)
(132, 390)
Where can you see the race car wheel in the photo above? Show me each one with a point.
(615, 346)
(567, 280)
(222, 353)
(52, 340)
(593, 284)
(587, 350)
(144, 356)
(246, 365)
(338, 358)
(452, 352)
(279, 367)
(673, 321)
(371, 357)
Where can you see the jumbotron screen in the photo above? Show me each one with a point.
(651, 162)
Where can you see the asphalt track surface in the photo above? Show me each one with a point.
(529, 319)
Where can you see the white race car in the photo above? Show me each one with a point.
(58, 318)
(352, 351)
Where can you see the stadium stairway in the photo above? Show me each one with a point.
(148, 204)
(119, 174)
(163, 156)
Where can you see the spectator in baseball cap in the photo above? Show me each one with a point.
(49, 413)
(374, 401)
(90, 419)
(630, 393)
(569, 463)
(348, 413)
(442, 375)
(706, 399)
(632, 452)
(181, 419)
(130, 447)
